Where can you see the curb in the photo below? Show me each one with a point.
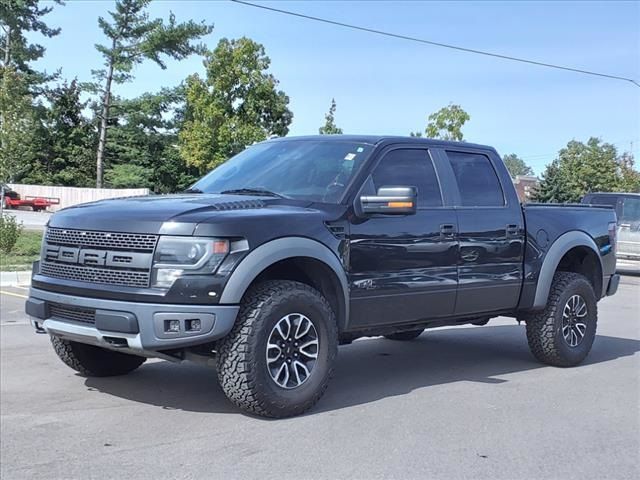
(15, 279)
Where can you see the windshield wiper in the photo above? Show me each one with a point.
(252, 191)
(193, 190)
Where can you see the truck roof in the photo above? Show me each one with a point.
(377, 139)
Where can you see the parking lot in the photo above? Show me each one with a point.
(466, 402)
(29, 219)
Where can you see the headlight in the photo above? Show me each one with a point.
(178, 256)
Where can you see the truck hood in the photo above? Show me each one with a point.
(173, 214)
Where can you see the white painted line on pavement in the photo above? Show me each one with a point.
(11, 294)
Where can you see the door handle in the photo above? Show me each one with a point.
(447, 230)
(512, 230)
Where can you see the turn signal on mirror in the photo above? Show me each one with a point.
(400, 204)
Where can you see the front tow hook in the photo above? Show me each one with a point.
(37, 327)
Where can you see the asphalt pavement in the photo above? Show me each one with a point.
(30, 220)
(457, 403)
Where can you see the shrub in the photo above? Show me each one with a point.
(10, 230)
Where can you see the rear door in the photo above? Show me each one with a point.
(491, 233)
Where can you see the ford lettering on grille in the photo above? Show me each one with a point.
(92, 257)
(122, 259)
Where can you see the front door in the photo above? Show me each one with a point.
(403, 268)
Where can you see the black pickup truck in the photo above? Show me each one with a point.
(297, 245)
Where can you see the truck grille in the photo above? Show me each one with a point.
(73, 314)
(106, 240)
(107, 276)
(97, 257)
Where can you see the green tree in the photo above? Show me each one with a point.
(330, 127)
(21, 128)
(553, 187)
(18, 125)
(630, 177)
(19, 19)
(516, 165)
(446, 123)
(144, 135)
(581, 168)
(236, 105)
(134, 38)
(72, 137)
(128, 176)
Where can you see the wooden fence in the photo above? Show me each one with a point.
(72, 195)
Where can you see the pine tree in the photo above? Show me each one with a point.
(330, 127)
(18, 20)
(135, 38)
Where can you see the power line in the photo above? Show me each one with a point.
(436, 44)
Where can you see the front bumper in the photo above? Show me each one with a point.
(139, 328)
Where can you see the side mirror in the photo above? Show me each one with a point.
(391, 201)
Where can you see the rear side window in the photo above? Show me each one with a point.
(410, 168)
(631, 211)
(477, 180)
(602, 200)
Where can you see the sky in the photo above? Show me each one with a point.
(389, 86)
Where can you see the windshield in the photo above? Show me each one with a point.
(315, 170)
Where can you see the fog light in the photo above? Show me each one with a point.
(192, 325)
(172, 326)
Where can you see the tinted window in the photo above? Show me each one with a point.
(631, 211)
(601, 200)
(410, 168)
(477, 180)
(315, 170)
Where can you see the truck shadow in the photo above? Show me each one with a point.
(366, 371)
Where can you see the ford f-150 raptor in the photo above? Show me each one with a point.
(297, 245)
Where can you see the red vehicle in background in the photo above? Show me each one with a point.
(11, 199)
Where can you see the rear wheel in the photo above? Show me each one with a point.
(562, 334)
(93, 361)
(277, 360)
(405, 336)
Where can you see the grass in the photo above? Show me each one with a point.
(24, 253)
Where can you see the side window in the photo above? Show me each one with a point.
(631, 212)
(603, 200)
(411, 168)
(477, 180)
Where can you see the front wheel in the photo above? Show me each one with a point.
(278, 358)
(92, 361)
(562, 334)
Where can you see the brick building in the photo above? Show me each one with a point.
(525, 186)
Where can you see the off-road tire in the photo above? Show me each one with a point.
(544, 328)
(241, 355)
(405, 336)
(91, 361)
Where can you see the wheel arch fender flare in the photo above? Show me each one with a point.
(277, 250)
(552, 259)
